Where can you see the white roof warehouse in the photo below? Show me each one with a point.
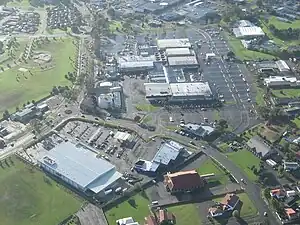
(173, 43)
(78, 166)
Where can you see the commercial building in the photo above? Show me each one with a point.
(135, 63)
(179, 52)
(281, 81)
(179, 92)
(164, 157)
(78, 166)
(199, 131)
(187, 61)
(282, 66)
(163, 44)
(199, 14)
(29, 112)
(259, 147)
(184, 181)
(290, 166)
(248, 32)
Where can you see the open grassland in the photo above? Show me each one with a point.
(284, 25)
(28, 197)
(287, 93)
(18, 87)
(135, 207)
(245, 160)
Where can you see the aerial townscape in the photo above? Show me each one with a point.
(149, 112)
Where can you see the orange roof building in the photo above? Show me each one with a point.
(183, 181)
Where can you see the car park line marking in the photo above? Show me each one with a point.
(228, 86)
(234, 97)
(225, 80)
(244, 106)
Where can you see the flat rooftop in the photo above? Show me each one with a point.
(173, 43)
(191, 89)
(182, 60)
(80, 165)
(248, 31)
(157, 89)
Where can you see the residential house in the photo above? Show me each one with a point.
(228, 203)
(278, 193)
(259, 147)
(160, 217)
(291, 213)
(184, 181)
(290, 166)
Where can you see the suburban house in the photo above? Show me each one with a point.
(126, 221)
(228, 203)
(259, 147)
(159, 217)
(289, 166)
(184, 181)
(291, 214)
(278, 193)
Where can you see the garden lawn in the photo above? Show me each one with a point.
(223, 147)
(186, 214)
(31, 198)
(297, 122)
(245, 160)
(135, 207)
(210, 166)
(40, 83)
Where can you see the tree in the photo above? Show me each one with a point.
(280, 169)
(223, 123)
(236, 214)
(36, 125)
(5, 114)
(267, 193)
(259, 3)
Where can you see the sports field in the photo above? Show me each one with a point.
(18, 87)
(28, 197)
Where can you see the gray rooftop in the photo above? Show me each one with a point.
(167, 152)
(79, 164)
(260, 146)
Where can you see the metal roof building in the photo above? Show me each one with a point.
(248, 32)
(173, 43)
(183, 61)
(78, 166)
(191, 89)
(166, 153)
(178, 52)
(282, 66)
(157, 90)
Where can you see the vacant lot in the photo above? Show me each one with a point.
(210, 166)
(28, 197)
(18, 87)
(245, 160)
(136, 207)
(186, 214)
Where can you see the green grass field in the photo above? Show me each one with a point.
(136, 207)
(284, 25)
(248, 209)
(186, 214)
(146, 107)
(38, 85)
(223, 147)
(28, 197)
(210, 166)
(245, 54)
(287, 93)
(245, 160)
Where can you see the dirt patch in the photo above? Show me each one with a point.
(9, 100)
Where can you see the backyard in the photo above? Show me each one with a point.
(210, 166)
(31, 198)
(28, 82)
(135, 207)
(245, 160)
(186, 214)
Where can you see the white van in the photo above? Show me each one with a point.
(106, 192)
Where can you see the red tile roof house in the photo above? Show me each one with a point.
(159, 217)
(228, 203)
(278, 193)
(291, 214)
(184, 181)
